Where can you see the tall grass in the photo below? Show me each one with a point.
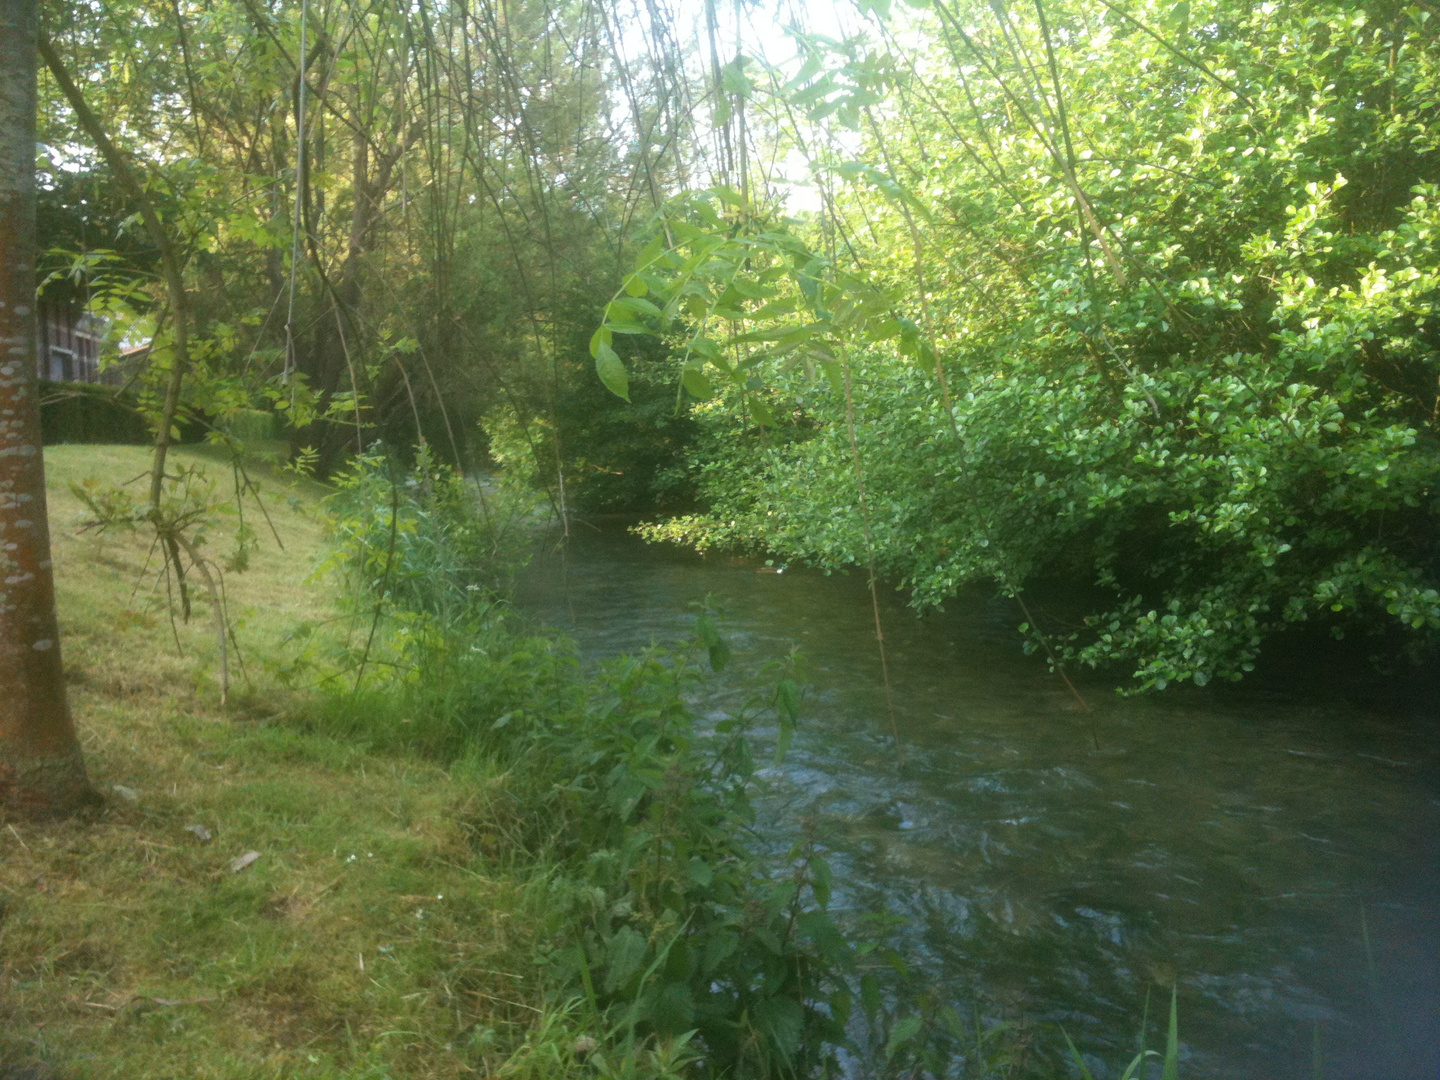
(1136, 1070)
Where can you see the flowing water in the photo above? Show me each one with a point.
(1276, 855)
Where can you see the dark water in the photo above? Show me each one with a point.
(1279, 856)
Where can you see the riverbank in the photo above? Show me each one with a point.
(367, 939)
(493, 862)
(416, 842)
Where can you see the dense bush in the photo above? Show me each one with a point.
(80, 413)
(1184, 292)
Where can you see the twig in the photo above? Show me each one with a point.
(217, 603)
(502, 1001)
(249, 485)
(229, 625)
(870, 558)
(1057, 665)
(1131, 374)
(385, 581)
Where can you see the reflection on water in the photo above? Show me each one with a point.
(1280, 858)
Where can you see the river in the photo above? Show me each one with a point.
(1274, 853)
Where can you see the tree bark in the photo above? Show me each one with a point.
(42, 773)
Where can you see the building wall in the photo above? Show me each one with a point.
(67, 344)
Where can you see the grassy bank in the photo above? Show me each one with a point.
(369, 939)
(452, 854)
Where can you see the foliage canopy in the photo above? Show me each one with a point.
(1138, 296)
(1141, 296)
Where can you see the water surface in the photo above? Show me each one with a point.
(1276, 854)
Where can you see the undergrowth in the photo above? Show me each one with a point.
(664, 939)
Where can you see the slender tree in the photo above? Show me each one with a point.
(42, 772)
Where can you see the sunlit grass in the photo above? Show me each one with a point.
(367, 940)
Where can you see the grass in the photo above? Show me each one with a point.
(368, 940)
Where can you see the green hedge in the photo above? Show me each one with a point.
(84, 413)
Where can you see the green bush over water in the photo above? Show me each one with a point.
(1182, 302)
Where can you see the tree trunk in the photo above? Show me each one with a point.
(42, 773)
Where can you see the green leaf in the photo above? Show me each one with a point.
(788, 335)
(732, 77)
(870, 996)
(1171, 1071)
(787, 709)
(1132, 1071)
(598, 340)
(1180, 18)
(652, 251)
(715, 645)
(611, 370)
(1075, 1054)
(820, 880)
(786, 737)
(624, 955)
(718, 948)
(632, 306)
(635, 286)
(808, 71)
(696, 383)
(626, 327)
(782, 1019)
(674, 1009)
(903, 1031)
(787, 698)
(815, 91)
(760, 413)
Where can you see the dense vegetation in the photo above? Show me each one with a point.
(469, 855)
(1136, 297)
(1140, 298)
(658, 917)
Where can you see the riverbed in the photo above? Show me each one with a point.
(1273, 853)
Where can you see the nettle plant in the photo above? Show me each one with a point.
(682, 928)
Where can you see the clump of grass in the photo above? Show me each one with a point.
(1138, 1067)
